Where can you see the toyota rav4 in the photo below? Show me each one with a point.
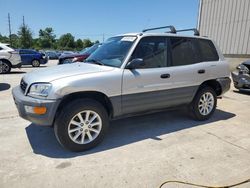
(129, 74)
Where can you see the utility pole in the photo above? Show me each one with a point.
(23, 22)
(103, 38)
(9, 29)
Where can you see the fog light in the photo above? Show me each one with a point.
(36, 109)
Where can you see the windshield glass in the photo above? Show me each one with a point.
(113, 51)
(90, 50)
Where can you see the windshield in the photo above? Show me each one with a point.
(113, 51)
(90, 50)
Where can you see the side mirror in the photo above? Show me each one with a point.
(135, 63)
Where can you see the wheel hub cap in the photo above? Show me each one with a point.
(206, 103)
(84, 127)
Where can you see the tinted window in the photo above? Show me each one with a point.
(153, 51)
(184, 51)
(1, 48)
(208, 51)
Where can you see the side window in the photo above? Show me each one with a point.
(1, 48)
(208, 51)
(153, 51)
(184, 51)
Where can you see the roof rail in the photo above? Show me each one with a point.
(196, 32)
(172, 29)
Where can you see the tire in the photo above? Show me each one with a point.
(5, 67)
(35, 63)
(68, 120)
(202, 111)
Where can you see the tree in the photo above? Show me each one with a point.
(14, 41)
(25, 36)
(79, 44)
(46, 38)
(97, 42)
(66, 42)
(87, 43)
(4, 39)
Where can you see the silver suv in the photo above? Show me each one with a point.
(129, 74)
(9, 58)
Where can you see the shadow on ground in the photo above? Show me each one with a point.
(4, 86)
(121, 132)
(244, 92)
(30, 66)
(16, 72)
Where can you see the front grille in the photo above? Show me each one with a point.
(23, 85)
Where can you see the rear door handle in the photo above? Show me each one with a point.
(201, 71)
(163, 76)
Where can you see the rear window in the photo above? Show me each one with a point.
(208, 51)
(184, 51)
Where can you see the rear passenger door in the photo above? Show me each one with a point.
(188, 72)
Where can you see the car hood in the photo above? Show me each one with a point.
(56, 72)
(246, 62)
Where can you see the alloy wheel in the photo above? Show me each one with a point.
(84, 127)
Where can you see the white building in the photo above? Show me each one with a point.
(228, 23)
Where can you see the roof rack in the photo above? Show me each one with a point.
(172, 29)
(196, 32)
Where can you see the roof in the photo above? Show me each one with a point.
(160, 34)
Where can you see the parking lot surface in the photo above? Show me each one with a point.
(141, 151)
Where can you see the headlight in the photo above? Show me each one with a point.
(243, 69)
(39, 90)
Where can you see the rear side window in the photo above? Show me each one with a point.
(184, 51)
(1, 48)
(153, 51)
(208, 51)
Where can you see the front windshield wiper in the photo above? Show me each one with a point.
(95, 61)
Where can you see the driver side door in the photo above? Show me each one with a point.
(147, 87)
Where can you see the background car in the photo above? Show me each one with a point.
(9, 58)
(32, 57)
(80, 57)
(241, 77)
(52, 54)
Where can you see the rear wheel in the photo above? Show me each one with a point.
(204, 103)
(5, 67)
(81, 125)
(35, 63)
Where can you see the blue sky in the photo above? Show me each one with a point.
(92, 18)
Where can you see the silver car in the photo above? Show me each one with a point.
(129, 74)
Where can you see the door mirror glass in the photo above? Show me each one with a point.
(135, 63)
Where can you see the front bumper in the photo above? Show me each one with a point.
(241, 81)
(21, 101)
(19, 65)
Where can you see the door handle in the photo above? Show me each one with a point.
(165, 76)
(201, 71)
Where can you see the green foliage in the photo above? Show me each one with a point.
(87, 43)
(46, 38)
(79, 44)
(25, 37)
(66, 42)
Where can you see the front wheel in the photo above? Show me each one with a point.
(81, 125)
(203, 104)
